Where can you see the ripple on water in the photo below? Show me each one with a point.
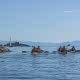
(24, 66)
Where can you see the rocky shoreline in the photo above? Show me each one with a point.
(4, 49)
(16, 44)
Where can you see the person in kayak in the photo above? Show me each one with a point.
(73, 48)
(36, 50)
(59, 49)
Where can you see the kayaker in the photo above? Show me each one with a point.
(73, 48)
(59, 49)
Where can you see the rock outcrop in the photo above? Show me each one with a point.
(4, 49)
(16, 44)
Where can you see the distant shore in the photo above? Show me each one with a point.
(15, 44)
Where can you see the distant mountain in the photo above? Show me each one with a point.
(3, 42)
(73, 43)
(41, 43)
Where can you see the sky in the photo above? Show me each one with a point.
(40, 20)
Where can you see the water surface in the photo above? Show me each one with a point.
(53, 66)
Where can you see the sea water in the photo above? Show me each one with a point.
(16, 65)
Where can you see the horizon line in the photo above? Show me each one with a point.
(40, 41)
